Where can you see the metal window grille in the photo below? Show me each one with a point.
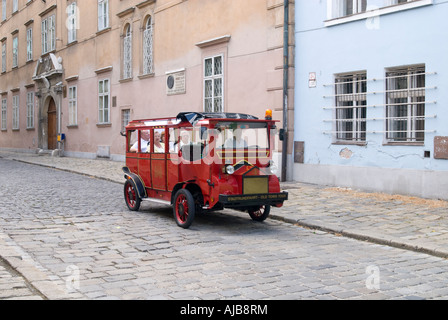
(350, 101)
(148, 63)
(405, 99)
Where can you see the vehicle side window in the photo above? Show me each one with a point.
(132, 139)
(173, 140)
(159, 141)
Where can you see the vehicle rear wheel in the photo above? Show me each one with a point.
(131, 196)
(260, 214)
(184, 208)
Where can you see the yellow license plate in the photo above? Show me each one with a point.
(255, 185)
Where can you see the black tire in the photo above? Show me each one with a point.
(260, 214)
(131, 197)
(184, 208)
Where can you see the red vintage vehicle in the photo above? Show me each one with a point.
(203, 162)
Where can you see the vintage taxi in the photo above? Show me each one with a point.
(202, 162)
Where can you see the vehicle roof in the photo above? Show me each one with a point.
(192, 118)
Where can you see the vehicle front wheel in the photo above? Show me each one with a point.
(131, 196)
(184, 208)
(260, 214)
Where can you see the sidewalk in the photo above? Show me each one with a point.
(400, 221)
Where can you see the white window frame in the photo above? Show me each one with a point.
(125, 119)
(212, 86)
(335, 10)
(4, 56)
(127, 52)
(29, 44)
(103, 14)
(15, 51)
(4, 114)
(15, 112)
(48, 32)
(148, 47)
(73, 106)
(72, 21)
(3, 10)
(104, 101)
(30, 110)
(15, 6)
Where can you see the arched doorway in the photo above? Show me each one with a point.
(52, 125)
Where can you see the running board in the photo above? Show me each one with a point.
(157, 201)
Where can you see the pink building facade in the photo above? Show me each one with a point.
(74, 74)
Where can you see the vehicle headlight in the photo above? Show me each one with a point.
(272, 167)
(230, 169)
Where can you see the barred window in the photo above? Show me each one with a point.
(351, 110)
(405, 109)
(343, 8)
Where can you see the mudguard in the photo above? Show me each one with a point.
(137, 181)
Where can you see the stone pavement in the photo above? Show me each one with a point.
(400, 221)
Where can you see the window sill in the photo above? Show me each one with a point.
(402, 143)
(351, 143)
(126, 80)
(104, 125)
(148, 75)
(377, 12)
(104, 30)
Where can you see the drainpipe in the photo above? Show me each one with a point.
(285, 88)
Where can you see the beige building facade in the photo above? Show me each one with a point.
(75, 72)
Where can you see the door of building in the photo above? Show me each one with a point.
(52, 126)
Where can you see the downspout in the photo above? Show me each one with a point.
(285, 88)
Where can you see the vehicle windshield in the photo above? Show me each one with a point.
(242, 135)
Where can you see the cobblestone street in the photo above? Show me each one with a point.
(72, 237)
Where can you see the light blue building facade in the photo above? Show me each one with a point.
(371, 95)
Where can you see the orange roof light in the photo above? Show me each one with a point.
(268, 114)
